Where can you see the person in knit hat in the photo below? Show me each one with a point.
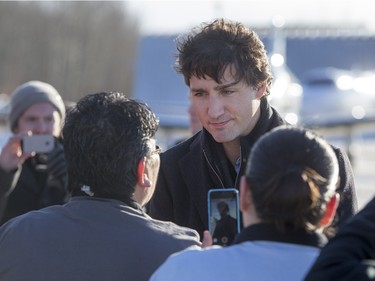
(32, 93)
(31, 181)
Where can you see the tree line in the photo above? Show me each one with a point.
(79, 47)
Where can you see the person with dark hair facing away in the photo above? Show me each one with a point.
(287, 196)
(102, 233)
(31, 181)
(350, 255)
(226, 68)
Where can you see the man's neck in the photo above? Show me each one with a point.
(232, 150)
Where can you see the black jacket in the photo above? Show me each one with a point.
(33, 186)
(350, 255)
(190, 169)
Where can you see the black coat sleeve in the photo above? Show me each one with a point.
(350, 255)
(348, 205)
(8, 181)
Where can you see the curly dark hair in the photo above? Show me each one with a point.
(105, 136)
(211, 47)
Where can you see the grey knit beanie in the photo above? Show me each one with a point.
(29, 94)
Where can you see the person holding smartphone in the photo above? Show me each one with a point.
(226, 68)
(31, 180)
(287, 197)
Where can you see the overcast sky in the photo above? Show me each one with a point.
(166, 17)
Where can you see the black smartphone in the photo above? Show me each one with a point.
(38, 143)
(223, 215)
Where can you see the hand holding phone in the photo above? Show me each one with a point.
(223, 215)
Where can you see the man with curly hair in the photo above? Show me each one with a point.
(102, 233)
(226, 68)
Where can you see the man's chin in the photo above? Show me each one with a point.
(222, 139)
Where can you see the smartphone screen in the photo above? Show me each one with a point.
(223, 215)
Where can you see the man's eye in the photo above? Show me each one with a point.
(198, 94)
(31, 119)
(228, 92)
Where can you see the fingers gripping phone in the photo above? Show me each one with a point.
(38, 143)
(223, 215)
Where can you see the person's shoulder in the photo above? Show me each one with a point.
(33, 220)
(195, 255)
(182, 148)
(173, 230)
(18, 229)
(178, 266)
(194, 263)
(192, 254)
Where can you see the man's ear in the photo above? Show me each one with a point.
(261, 90)
(143, 179)
(330, 211)
(245, 197)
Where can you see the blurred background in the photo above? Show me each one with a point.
(322, 55)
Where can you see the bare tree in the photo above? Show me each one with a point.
(79, 47)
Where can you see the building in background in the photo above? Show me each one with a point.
(294, 52)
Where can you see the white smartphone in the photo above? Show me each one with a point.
(38, 143)
(223, 215)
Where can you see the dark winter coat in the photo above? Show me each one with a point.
(350, 255)
(40, 182)
(190, 169)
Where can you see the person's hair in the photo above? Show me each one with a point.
(292, 173)
(30, 93)
(212, 47)
(105, 136)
